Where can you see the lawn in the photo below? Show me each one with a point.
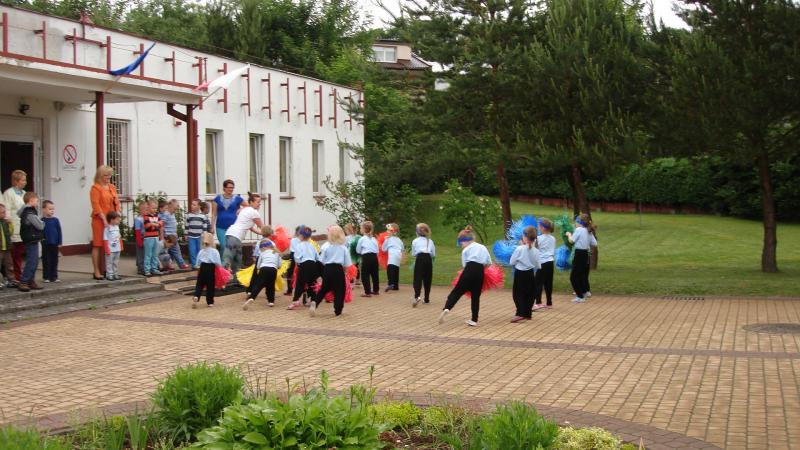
(658, 254)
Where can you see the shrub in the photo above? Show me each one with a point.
(309, 421)
(396, 414)
(193, 397)
(462, 207)
(515, 425)
(12, 438)
(587, 439)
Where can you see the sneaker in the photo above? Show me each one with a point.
(294, 305)
(209, 305)
(23, 287)
(443, 315)
(376, 293)
(147, 274)
(270, 304)
(46, 281)
(578, 300)
(247, 304)
(184, 266)
(388, 288)
(366, 295)
(471, 323)
(426, 301)
(587, 294)
(514, 319)
(415, 302)
(11, 284)
(312, 309)
(538, 306)
(57, 280)
(194, 302)
(34, 286)
(157, 272)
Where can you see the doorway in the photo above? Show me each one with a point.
(16, 156)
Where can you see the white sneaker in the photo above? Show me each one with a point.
(247, 304)
(312, 309)
(46, 281)
(587, 294)
(471, 323)
(415, 302)
(578, 300)
(270, 304)
(443, 315)
(194, 302)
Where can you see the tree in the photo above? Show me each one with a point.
(736, 87)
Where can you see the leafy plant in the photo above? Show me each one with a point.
(193, 397)
(113, 433)
(593, 438)
(345, 200)
(12, 438)
(462, 207)
(515, 425)
(305, 421)
(139, 430)
(396, 414)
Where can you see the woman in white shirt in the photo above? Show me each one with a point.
(474, 258)
(423, 249)
(248, 219)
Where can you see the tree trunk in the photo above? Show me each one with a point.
(505, 199)
(769, 262)
(581, 205)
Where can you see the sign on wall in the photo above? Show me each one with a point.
(70, 157)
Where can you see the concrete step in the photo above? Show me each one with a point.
(75, 294)
(66, 288)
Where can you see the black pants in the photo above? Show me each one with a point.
(306, 277)
(206, 278)
(471, 280)
(332, 280)
(264, 279)
(393, 277)
(423, 275)
(369, 273)
(579, 277)
(544, 280)
(49, 262)
(290, 271)
(523, 291)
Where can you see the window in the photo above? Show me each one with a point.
(256, 161)
(213, 159)
(117, 154)
(285, 166)
(343, 166)
(384, 54)
(317, 166)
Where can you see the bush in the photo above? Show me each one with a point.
(386, 203)
(587, 439)
(515, 425)
(12, 438)
(462, 207)
(193, 397)
(310, 421)
(396, 414)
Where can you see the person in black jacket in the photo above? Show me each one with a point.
(32, 232)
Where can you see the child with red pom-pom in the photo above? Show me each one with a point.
(474, 258)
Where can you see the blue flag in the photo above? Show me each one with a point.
(132, 66)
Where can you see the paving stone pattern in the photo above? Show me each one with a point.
(677, 374)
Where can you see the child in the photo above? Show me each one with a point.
(196, 224)
(424, 250)
(52, 240)
(290, 272)
(167, 216)
(394, 246)
(267, 264)
(474, 257)
(305, 257)
(152, 236)
(165, 247)
(367, 247)
(525, 260)
(579, 276)
(204, 209)
(113, 244)
(350, 237)
(32, 232)
(138, 233)
(544, 277)
(6, 230)
(336, 258)
(208, 259)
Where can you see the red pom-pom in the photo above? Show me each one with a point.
(281, 239)
(383, 257)
(221, 277)
(493, 278)
(352, 272)
(293, 281)
(348, 291)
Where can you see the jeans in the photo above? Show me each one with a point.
(112, 265)
(150, 254)
(194, 249)
(31, 261)
(233, 254)
(175, 253)
(221, 238)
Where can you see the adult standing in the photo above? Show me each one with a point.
(248, 219)
(224, 210)
(104, 199)
(12, 197)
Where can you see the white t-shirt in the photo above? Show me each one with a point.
(244, 221)
(113, 236)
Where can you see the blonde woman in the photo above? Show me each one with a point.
(104, 199)
(13, 199)
(336, 258)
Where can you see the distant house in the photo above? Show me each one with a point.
(392, 54)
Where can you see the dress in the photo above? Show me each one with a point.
(104, 200)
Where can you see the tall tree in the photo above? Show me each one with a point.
(737, 87)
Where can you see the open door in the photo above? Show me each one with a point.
(17, 156)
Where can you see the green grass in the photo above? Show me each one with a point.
(659, 254)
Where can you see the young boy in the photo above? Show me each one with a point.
(52, 241)
(152, 236)
(112, 240)
(138, 233)
(167, 216)
(6, 230)
(196, 224)
(31, 232)
(165, 252)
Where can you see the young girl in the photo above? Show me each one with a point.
(336, 258)
(152, 236)
(305, 257)
(292, 245)
(474, 258)
(579, 276)
(267, 264)
(394, 246)
(424, 250)
(525, 260)
(367, 247)
(544, 277)
(208, 259)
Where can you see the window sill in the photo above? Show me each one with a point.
(286, 197)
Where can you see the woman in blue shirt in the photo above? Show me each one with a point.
(224, 210)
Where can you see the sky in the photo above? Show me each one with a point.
(662, 8)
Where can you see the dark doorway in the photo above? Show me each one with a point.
(16, 156)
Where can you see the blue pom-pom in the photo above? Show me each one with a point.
(503, 250)
(563, 258)
(518, 227)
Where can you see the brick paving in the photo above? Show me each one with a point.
(677, 373)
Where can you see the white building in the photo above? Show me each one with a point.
(62, 114)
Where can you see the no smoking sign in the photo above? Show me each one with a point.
(70, 157)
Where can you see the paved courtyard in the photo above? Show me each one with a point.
(678, 373)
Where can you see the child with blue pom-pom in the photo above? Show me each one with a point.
(544, 277)
(582, 239)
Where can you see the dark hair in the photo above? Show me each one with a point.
(162, 203)
(112, 215)
(203, 206)
(227, 182)
(29, 195)
(252, 196)
(47, 202)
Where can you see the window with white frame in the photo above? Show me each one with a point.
(285, 165)
(118, 153)
(317, 166)
(343, 166)
(256, 161)
(213, 161)
(384, 54)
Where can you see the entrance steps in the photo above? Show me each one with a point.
(183, 281)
